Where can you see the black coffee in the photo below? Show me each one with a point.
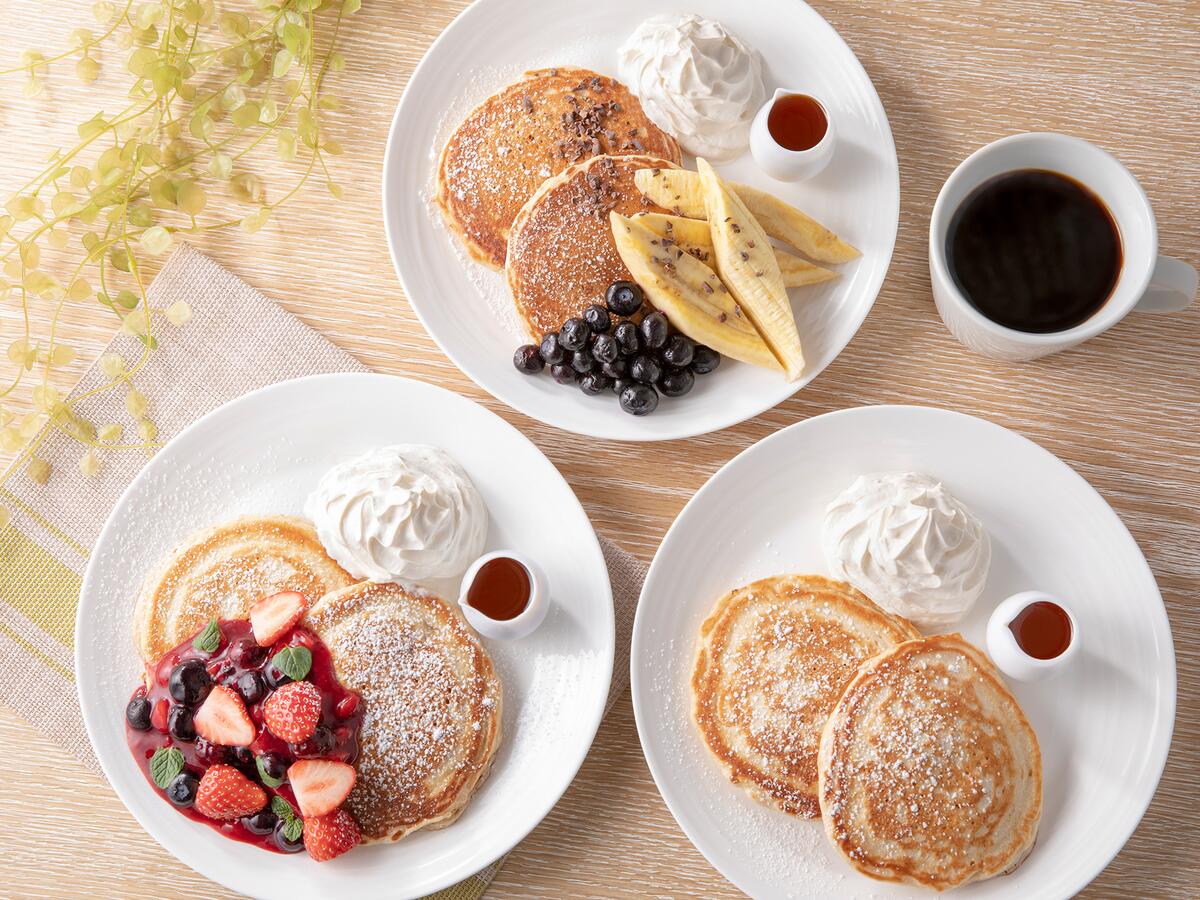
(1034, 251)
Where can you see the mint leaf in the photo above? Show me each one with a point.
(282, 808)
(209, 639)
(165, 764)
(293, 829)
(267, 779)
(294, 662)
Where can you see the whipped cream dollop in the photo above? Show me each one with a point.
(402, 513)
(696, 81)
(907, 543)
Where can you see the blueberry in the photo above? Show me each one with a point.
(645, 368)
(283, 843)
(552, 352)
(252, 686)
(247, 654)
(624, 298)
(243, 758)
(677, 382)
(679, 351)
(594, 383)
(319, 743)
(628, 338)
(182, 789)
(209, 753)
(639, 399)
(262, 822)
(275, 765)
(275, 676)
(605, 349)
(705, 360)
(654, 330)
(582, 362)
(574, 334)
(597, 318)
(528, 359)
(189, 682)
(563, 373)
(137, 714)
(179, 723)
(618, 368)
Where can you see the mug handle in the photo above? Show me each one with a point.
(1172, 287)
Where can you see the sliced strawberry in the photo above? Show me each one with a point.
(158, 716)
(222, 719)
(320, 785)
(272, 617)
(293, 711)
(226, 794)
(332, 835)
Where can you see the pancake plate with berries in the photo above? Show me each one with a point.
(432, 701)
(528, 132)
(561, 255)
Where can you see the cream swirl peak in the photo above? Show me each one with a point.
(402, 513)
(907, 543)
(696, 81)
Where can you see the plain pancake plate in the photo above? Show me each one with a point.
(263, 453)
(467, 309)
(1104, 725)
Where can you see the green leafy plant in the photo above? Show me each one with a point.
(209, 87)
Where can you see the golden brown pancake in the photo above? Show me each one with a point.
(561, 255)
(773, 659)
(432, 704)
(528, 132)
(930, 773)
(222, 571)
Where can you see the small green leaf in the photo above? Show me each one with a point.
(165, 764)
(293, 829)
(267, 779)
(209, 639)
(282, 808)
(294, 662)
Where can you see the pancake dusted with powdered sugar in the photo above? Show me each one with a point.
(561, 253)
(432, 699)
(530, 131)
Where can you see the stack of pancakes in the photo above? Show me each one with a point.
(432, 699)
(528, 178)
(912, 751)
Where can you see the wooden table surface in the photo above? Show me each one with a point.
(953, 74)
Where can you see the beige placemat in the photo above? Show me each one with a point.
(237, 341)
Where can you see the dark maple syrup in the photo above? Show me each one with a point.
(797, 122)
(500, 589)
(1042, 630)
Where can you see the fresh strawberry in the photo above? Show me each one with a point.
(320, 785)
(272, 617)
(158, 717)
(328, 836)
(226, 794)
(222, 719)
(293, 711)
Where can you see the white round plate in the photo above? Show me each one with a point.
(1104, 726)
(467, 309)
(262, 453)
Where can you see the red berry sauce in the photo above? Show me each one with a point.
(238, 653)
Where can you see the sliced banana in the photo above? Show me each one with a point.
(689, 293)
(693, 236)
(680, 191)
(745, 261)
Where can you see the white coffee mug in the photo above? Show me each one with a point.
(1146, 281)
